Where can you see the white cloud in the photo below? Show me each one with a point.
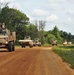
(40, 12)
(69, 20)
(52, 17)
(56, 1)
(16, 6)
(6, 0)
(70, 1)
(71, 11)
(12, 3)
(30, 17)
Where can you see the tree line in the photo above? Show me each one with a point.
(59, 35)
(18, 21)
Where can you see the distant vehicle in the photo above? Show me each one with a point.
(54, 43)
(67, 43)
(70, 43)
(26, 42)
(7, 38)
(36, 42)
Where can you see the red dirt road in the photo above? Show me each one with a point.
(32, 61)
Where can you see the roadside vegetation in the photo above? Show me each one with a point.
(67, 54)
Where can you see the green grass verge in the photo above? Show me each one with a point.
(67, 54)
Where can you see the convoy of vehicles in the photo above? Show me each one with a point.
(7, 38)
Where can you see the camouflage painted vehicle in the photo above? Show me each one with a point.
(7, 38)
(36, 42)
(26, 42)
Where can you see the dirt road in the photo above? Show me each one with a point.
(32, 61)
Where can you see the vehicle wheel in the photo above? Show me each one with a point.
(56, 44)
(30, 46)
(52, 44)
(11, 46)
(39, 45)
(22, 45)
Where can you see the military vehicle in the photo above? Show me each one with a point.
(7, 38)
(26, 42)
(36, 42)
(54, 43)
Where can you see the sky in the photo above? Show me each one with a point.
(58, 13)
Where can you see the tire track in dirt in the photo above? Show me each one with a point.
(33, 61)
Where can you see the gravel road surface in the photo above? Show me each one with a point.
(32, 61)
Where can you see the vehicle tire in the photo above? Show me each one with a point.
(39, 45)
(22, 45)
(30, 46)
(11, 46)
(56, 44)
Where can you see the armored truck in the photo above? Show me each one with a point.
(36, 42)
(26, 42)
(54, 43)
(7, 38)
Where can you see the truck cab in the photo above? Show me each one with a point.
(7, 38)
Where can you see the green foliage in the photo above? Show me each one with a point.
(67, 54)
(50, 38)
(12, 17)
(66, 36)
(61, 35)
(32, 31)
(21, 32)
(56, 33)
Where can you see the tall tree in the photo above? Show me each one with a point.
(12, 17)
(40, 25)
(32, 31)
(56, 33)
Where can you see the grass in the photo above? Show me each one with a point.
(67, 54)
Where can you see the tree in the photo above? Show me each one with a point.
(12, 17)
(40, 25)
(56, 33)
(66, 36)
(51, 38)
(32, 31)
(69, 37)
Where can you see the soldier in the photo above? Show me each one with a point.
(3, 29)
